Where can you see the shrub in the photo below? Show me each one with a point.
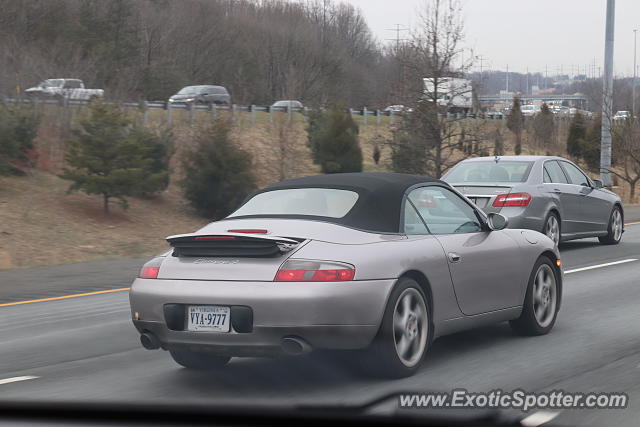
(577, 133)
(591, 145)
(333, 139)
(109, 156)
(515, 123)
(218, 175)
(544, 129)
(18, 129)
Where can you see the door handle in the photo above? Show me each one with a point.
(453, 257)
(557, 190)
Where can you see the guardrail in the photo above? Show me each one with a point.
(368, 116)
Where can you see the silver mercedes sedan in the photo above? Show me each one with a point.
(380, 263)
(542, 193)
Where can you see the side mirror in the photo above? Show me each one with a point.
(597, 183)
(497, 221)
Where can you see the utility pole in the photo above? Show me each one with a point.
(526, 91)
(546, 75)
(481, 59)
(635, 75)
(507, 78)
(607, 96)
(401, 67)
(398, 29)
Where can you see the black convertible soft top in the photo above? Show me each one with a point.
(379, 203)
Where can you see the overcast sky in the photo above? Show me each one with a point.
(527, 33)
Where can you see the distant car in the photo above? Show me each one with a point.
(285, 105)
(395, 109)
(621, 115)
(357, 261)
(543, 193)
(203, 94)
(529, 110)
(72, 89)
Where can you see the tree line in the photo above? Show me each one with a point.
(317, 51)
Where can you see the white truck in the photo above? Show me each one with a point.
(453, 93)
(72, 89)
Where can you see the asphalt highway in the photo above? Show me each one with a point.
(85, 348)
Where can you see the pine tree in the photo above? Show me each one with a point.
(18, 129)
(590, 147)
(515, 123)
(218, 175)
(544, 127)
(338, 149)
(577, 133)
(109, 156)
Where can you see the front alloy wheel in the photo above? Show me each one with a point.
(544, 295)
(542, 300)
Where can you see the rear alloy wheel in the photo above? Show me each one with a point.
(614, 230)
(404, 335)
(552, 228)
(541, 302)
(198, 360)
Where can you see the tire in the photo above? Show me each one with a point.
(198, 360)
(409, 310)
(554, 232)
(540, 308)
(614, 229)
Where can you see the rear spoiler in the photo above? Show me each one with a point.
(230, 245)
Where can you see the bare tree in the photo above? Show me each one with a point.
(428, 137)
(288, 147)
(627, 155)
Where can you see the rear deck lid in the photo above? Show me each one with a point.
(482, 195)
(250, 249)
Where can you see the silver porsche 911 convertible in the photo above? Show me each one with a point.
(382, 263)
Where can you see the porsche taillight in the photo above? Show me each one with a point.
(151, 269)
(315, 271)
(512, 199)
(149, 272)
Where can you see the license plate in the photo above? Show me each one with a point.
(210, 318)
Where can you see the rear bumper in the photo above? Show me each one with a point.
(341, 315)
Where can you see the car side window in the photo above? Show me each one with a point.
(413, 224)
(444, 211)
(575, 175)
(553, 169)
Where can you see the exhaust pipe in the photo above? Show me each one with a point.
(295, 346)
(149, 341)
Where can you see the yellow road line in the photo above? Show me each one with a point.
(86, 294)
(633, 223)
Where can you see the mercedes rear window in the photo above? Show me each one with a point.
(327, 202)
(490, 171)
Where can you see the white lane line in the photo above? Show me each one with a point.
(17, 379)
(592, 267)
(539, 418)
